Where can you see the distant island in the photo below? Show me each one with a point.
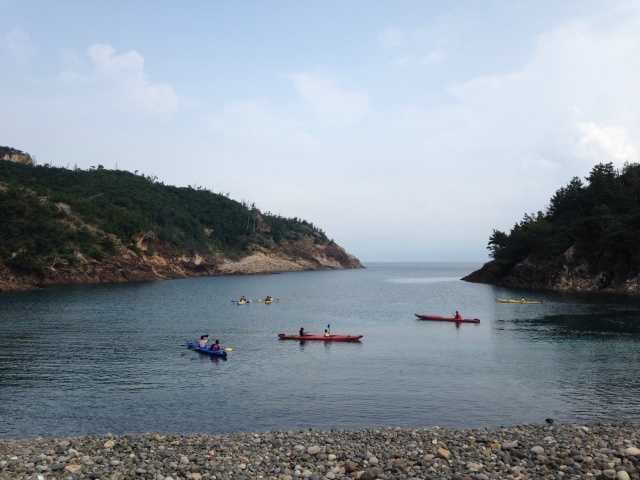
(587, 240)
(74, 226)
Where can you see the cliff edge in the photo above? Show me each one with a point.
(562, 274)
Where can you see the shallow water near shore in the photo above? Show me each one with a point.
(87, 360)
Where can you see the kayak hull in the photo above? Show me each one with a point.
(438, 318)
(205, 351)
(320, 338)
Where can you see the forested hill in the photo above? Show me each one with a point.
(588, 239)
(100, 225)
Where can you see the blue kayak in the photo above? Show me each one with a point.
(212, 353)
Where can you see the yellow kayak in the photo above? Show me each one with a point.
(519, 301)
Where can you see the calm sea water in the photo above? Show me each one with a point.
(85, 360)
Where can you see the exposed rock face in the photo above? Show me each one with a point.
(12, 155)
(264, 261)
(567, 273)
(152, 262)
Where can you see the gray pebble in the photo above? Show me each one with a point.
(566, 452)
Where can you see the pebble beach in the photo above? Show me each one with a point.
(521, 452)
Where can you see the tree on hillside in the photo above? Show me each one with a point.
(600, 218)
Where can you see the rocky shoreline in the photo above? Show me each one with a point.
(599, 451)
(129, 266)
(565, 275)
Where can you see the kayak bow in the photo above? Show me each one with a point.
(438, 318)
(320, 337)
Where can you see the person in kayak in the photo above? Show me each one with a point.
(215, 346)
(202, 343)
(301, 332)
(457, 316)
(327, 331)
(243, 299)
(268, 299)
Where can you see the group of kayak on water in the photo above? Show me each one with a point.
(522, 300)
(216, 349)
(204, 346)
(244, 300)
(458, 318)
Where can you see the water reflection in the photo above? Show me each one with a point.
(584, 350)
(598, 324)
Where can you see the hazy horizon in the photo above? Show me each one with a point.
(406, 131)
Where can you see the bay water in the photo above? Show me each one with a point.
(111, 358)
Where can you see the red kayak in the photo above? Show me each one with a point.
(320, 337)
(438, 318)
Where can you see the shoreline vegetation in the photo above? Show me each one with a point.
(72, 226)
(585, 242)
(566, 451)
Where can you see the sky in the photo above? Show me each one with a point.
(407, 130)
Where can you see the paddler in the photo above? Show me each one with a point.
(457, 317)
(215, 346)
(202, 343)
(301, 332)
(327, 331)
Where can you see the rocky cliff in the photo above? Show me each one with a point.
(12, 155)
(129, 265)
(567, 273)
(64, 226)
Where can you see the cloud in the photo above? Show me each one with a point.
(18, 45)
(602, 142)
(125, 74)
(572, 101)
(420, 172)
(505, 140)
(324, 97)
(115, 81)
